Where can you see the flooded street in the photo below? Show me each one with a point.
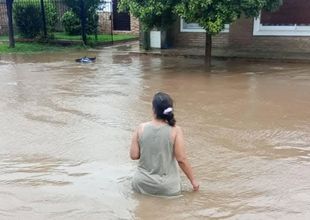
(65, 131)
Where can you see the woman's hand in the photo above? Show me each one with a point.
(195, 185)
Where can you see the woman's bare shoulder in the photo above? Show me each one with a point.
(141, 126)
(176, 129)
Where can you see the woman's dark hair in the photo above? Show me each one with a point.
(163, 107)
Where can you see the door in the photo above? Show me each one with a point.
(121, 20)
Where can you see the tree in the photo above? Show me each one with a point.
(34, 18)
(159, 14)
(212, 15)
(9, 9)
(151, 13)
(86, 10)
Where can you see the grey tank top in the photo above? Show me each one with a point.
(157, 172)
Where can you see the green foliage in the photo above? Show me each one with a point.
(90, 10)
(212, 15)
(34, 47)
(100, 38)
(90, 5)
(71, 23)
(151, 13)
(51, 15)
(92, 23)
(28, 17)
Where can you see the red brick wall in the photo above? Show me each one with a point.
(105, 24)
(195, 39)
(240, 39)
(3, 19)
(134, 25)
(286, 14)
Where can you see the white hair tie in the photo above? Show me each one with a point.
(168, 110)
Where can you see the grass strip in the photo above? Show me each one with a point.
(100, 37)
(32, 47)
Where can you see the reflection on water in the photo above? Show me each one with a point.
(65, 130)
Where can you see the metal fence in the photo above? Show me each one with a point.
(59, 6)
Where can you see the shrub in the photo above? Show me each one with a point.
(92, 21)
(51, 16)
(28, 18)
(71, 23)
(90, 7)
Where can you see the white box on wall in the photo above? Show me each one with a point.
(155, 39)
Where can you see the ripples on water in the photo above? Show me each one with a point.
(65, 130)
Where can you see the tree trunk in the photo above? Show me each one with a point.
(9, 9)
(44, 19)
(208, 48)
(146, 40)
(83, 21)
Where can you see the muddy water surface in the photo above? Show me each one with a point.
(65, 131)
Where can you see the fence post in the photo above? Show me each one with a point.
(9, 10)
(112, 20)
(83, 21)
(44, 19)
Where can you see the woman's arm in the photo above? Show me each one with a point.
(135, 148)
(181, 157)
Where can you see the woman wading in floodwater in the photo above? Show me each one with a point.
(159, 147)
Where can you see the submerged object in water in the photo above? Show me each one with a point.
(86, 60)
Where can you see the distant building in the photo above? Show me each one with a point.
(122, 22)
(285, 31)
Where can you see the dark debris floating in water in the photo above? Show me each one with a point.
(86, 60)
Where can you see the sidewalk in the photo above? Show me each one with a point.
(171, 52)
(224, 54)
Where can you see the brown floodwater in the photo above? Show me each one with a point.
(65, 131)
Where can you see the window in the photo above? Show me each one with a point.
(194, 27)
(292, 19)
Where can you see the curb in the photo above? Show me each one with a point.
(227, 58)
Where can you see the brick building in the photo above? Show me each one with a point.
(119, 22)
(286, 31)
